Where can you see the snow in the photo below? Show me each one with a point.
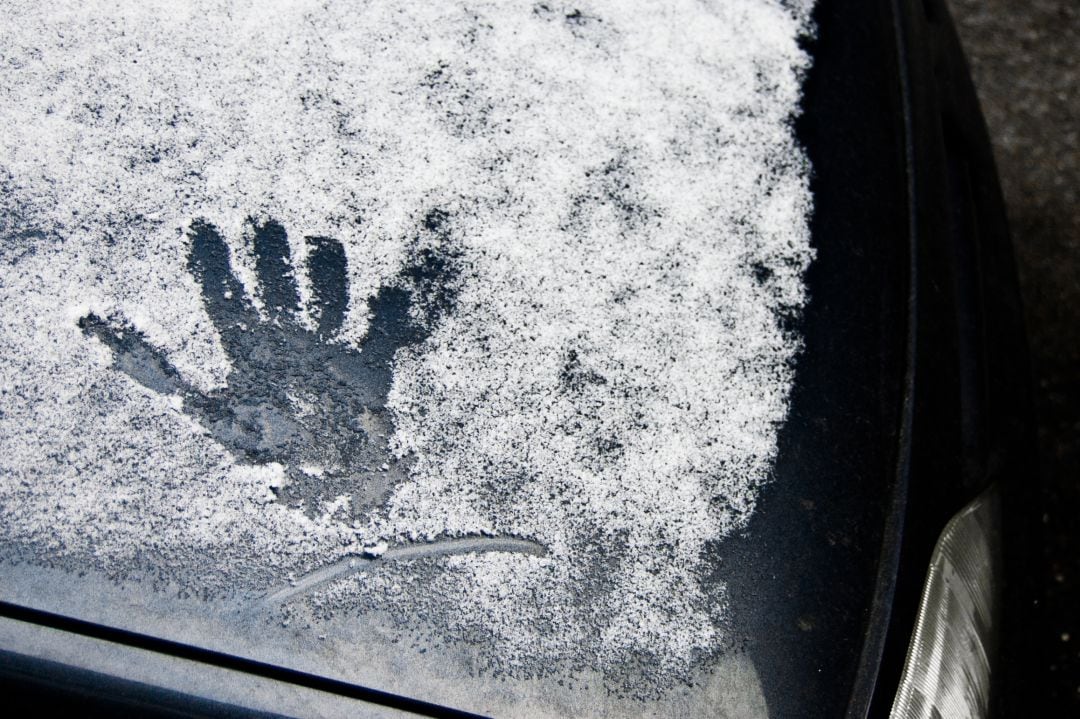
(631, 209)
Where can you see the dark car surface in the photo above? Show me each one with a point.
(528, 556)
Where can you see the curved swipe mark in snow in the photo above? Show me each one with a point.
(405, 552)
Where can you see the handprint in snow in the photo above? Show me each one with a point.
(296, 396)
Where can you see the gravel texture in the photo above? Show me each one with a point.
(1026, 66)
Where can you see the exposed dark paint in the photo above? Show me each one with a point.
(910, 395)
(801, 577)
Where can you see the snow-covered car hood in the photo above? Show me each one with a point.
(476, 324)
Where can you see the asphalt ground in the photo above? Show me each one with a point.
(1025, 60)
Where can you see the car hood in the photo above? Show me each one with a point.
(517, 356)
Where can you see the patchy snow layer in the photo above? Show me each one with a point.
(631, 210)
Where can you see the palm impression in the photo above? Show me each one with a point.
(295, 395)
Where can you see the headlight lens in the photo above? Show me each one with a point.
(950, 661)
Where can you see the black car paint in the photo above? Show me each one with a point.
(912, 393)
(969, 378)
(802, 578)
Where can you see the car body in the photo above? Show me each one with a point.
(907, 403)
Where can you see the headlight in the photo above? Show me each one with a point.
(952, 654)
